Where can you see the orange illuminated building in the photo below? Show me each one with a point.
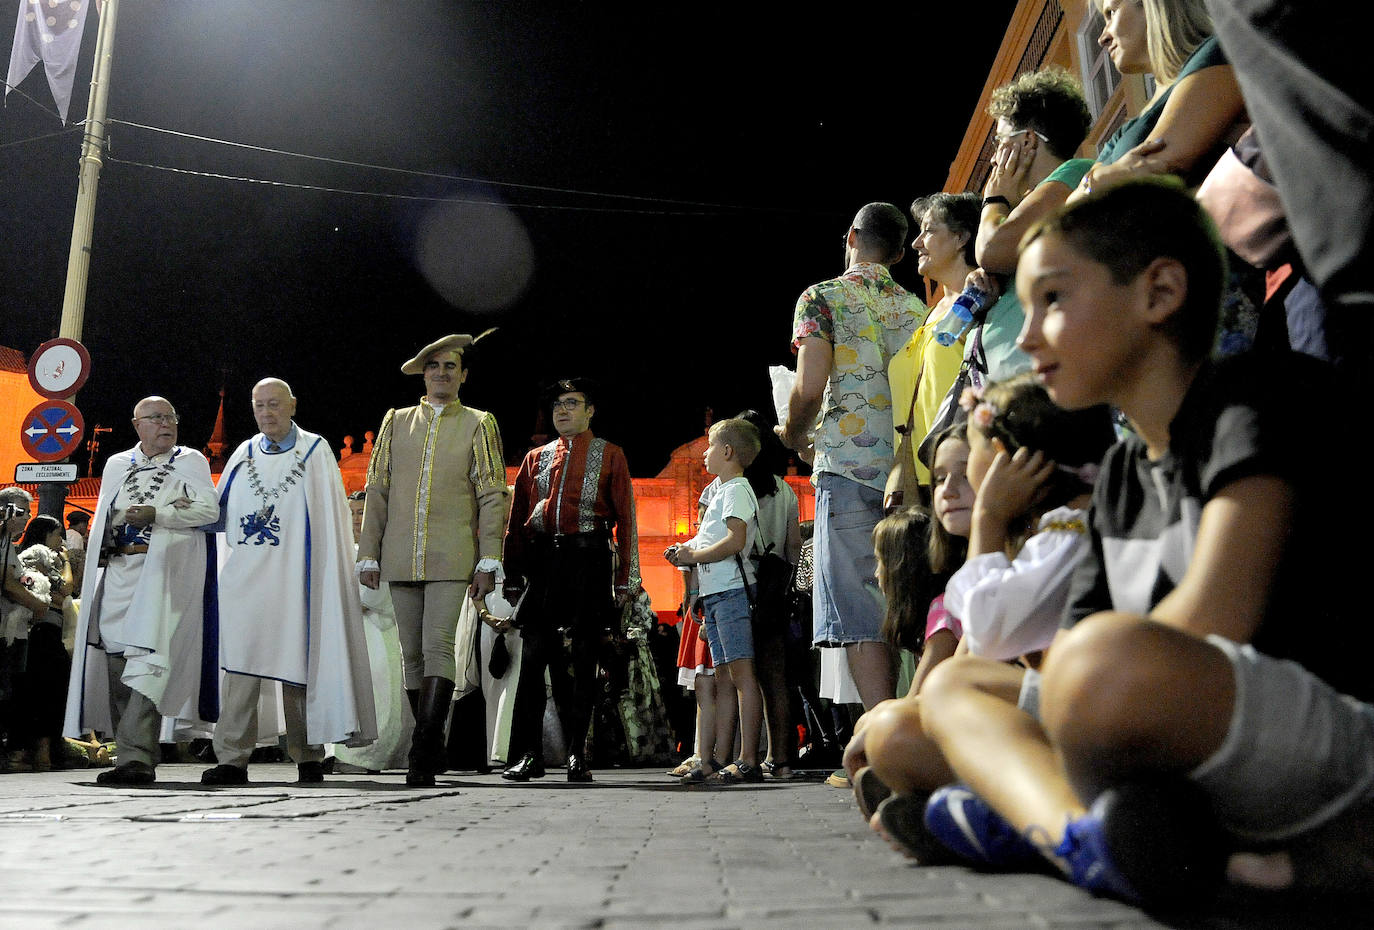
(17, 398)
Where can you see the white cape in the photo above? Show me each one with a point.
(167, 618)
(326, 639)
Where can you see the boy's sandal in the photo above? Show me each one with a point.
(697, 774)
(685, 767)
(776, 771)
(901, 821)
(869, 792)
(743, 773)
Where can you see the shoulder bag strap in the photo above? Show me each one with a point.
(905, 428)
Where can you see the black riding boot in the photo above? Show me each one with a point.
(433, 705)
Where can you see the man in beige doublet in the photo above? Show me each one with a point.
(433, 521)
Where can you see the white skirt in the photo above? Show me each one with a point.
(837, 683)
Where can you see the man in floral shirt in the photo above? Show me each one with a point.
(845, 332)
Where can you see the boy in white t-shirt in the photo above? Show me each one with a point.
(725, 534)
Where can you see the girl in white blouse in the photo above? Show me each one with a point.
(1033, 465)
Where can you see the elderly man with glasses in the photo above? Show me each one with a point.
(145, 644)
(569, 496)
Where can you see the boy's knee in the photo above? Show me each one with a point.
(1098, 678)
(741, 672)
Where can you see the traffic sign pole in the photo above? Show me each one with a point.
(52, 431)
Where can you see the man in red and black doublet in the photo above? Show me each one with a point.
(569, 496)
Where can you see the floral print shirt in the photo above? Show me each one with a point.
(866, 317)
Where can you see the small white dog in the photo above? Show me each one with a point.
(38, 566)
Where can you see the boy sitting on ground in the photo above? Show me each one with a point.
(1212, 649)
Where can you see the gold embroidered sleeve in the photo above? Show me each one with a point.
(379, 468)
(488, 478)
(488, 461)
(378, 489)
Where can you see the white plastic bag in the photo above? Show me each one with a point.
(783, 379)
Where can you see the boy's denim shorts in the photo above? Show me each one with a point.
(1297, 754)
(728, 626)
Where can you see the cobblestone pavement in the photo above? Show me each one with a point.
(634, 849)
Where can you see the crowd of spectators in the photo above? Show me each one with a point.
(1113, 645)
(1076, 551)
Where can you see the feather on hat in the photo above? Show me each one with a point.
(455, 343)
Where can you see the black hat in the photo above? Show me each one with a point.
(585, 386)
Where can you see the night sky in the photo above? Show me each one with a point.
(636, 196)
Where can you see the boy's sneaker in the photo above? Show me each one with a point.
(1151, 842)
(972, 830)
(1084, 850)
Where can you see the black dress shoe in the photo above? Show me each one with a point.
(528, 767)
(130, 773)
(224, 775)
(307, 773)
(577, 769)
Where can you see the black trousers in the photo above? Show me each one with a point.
(40, 694)
(562, 619)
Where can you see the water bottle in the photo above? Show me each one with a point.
(960, 316)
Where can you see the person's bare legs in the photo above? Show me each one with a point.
(750, 708)
(898, 750)
(1000, 751)
(772, 675)
(894, 767)
(872, 667)
(892, 741)
(706, 717)
(1120, 697)
(727, 712)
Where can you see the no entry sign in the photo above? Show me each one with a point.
(52, 431)
(59, 367)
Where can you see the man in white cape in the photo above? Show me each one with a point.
(289, 607)
(146, 639)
